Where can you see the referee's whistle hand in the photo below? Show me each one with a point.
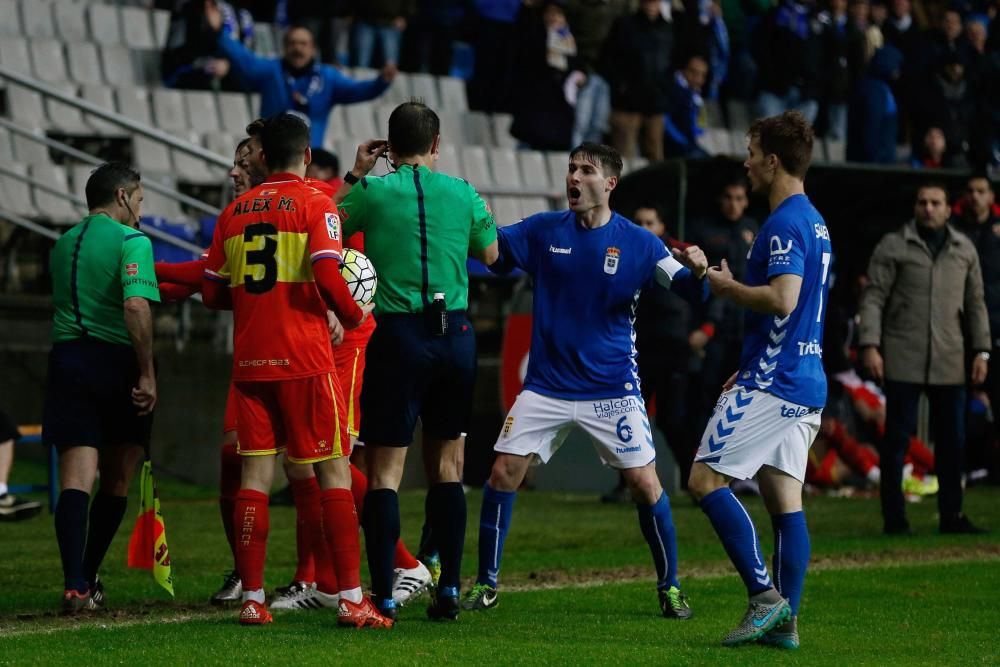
(144, 395)
(367, 155)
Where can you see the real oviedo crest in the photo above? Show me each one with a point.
(611, 261)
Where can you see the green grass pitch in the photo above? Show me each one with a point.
(576, 588)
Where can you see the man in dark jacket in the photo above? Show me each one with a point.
(874, 114)
(636, 62)
(788, 55)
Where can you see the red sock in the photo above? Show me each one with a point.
(404, 558)
(359, 487)
(340, 526)
(252, 522)
(229, 485)
(308, 524)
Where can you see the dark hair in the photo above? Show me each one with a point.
(324, 159)
(243, 142)
(606, 156)
(787, 135)
(412, 128)
(105, 181)
(934, 185)
(652, 207)
(733, 181)
(297, 26)
(255, 127)
(284, 138)
(980, 176)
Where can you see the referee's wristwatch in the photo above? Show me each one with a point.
(350, 178)
(985, 356)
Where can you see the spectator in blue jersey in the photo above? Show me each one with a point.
(296, 82)
(684, 123)
(589, 265)
(769, 412)
(873, 116)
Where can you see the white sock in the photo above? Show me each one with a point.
(354, 595)
(3, 488)
(257, 596)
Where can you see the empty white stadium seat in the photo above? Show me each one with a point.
(37, 17)
(25, 107)
(49, 205)
(447, 162)
(48, 60)
(453, 96)
(361, 121)
(14, 55)
(133, 101)
(836, 150)
(194, 169)
(534, 171)
(137, 29)
(558, 165)
(336, 130)
(222, 142)
(398, 92)
(116, 61)
(79, 174)
(501, 130)
(27, 151)
(16, 193)
(716, 141)
(453, 127)
(475, 168)
(201, 109)
(477, 128)
(532, 205)
(161, 26)
(150, 155)
(168, 110)
(84, 63)
(158, 204)
(11, 24)
(6, 147)
(65, 117)
(503, 165)
(105, 27)
(71, 21)
(424, 87)
(234, 112)
(146, 65)
(506, 210)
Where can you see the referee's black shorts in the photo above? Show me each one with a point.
(88, 396)
(8, 430)
(411, 373)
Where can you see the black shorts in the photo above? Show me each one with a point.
(411, 373)
(8, 430)
(88, 396)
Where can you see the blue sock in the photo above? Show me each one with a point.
(494, 522)
(657, 526)
(739, 537)
(791, 556)
(381, 523)
(71, 534)
(446, 513)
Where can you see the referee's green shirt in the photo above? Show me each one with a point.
(96, 265)
(419, 228)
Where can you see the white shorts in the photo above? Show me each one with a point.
(752, 428)
(618, 427)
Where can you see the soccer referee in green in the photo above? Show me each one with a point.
(101, 387)
(419, 226)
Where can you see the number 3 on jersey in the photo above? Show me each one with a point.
(262, 256)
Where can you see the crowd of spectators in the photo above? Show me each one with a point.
(916, 74)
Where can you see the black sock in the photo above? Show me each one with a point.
(381, 523)
(106, 514)
(427, 546)
(71, 534)
(446, 515)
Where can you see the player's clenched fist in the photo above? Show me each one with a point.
(719, 277)
(693, 258)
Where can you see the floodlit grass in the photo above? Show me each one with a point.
(576, 588)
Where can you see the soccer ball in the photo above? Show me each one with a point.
(359, 273)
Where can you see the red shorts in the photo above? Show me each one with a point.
(229, 418)
(304, 417)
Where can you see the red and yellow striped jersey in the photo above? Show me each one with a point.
(264, 247)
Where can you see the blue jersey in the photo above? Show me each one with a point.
(784, 356)
(586, 288)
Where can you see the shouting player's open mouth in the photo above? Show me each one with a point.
(573, 194)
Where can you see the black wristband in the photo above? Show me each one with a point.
(350, 178)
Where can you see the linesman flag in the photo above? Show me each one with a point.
(147, 549)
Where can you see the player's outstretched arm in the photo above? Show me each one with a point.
(682, 278)
(336, 294)
(779, 297)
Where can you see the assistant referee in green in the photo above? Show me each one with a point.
(101, 386)
(419, 227)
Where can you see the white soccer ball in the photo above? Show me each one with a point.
(360, 276)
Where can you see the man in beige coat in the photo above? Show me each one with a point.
(922, 318)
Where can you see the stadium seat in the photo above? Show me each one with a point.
(234, 112)
(37, 18)
(382, 113)
(453, 128)
(447, 162)
(739, 116)
(506, 210)
(14, 55)
(49, 60)
(84, 63)
(557, 163)
(532, 205)
(156, 204)
(336, 129)
(71, 21)
(151, 155)
(533, 170)
(716, 141)
(713, 114)
(105, 26)
(27, 151)
(6, 147)
(11, 25)
(222, 143)
(16, 194)
(25, 107)
(49, 205)
(78, 175)
(819, 151)
(501, 130)
(397, 93)
(116, 61)
(503, 165)
(161, 26)
(146, 65)
(423, 87)
(360, 120)
(344, 149)
(453, 96)
(194, 169)
(133, 102)
(477, 128)
(65, 117)
(168, 109)
(137, 29)
(475, 168)
(202, 111)
(836, 150)
(263, 40)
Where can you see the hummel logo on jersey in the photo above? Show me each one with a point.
(560, 251)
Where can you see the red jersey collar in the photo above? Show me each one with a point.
(282, 177)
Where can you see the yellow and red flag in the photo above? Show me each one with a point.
(147, 549)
